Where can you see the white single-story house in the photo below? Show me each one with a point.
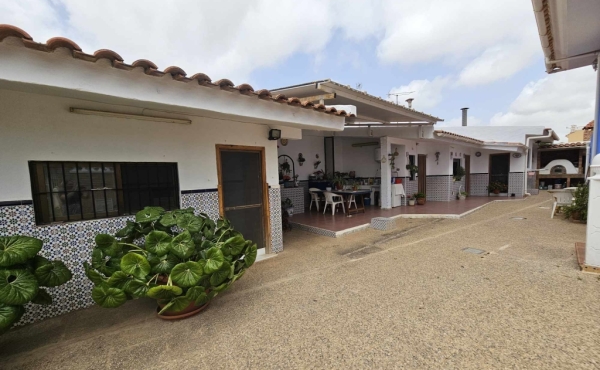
(88, 140)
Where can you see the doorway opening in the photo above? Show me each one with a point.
(422, 173)
(500, 168)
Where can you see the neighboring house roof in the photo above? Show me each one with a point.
(368, 106)
(442, 133)
(151, 69)
(505, 134)
(576, 144)
(589, 126)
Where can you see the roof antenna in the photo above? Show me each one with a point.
(399, 94)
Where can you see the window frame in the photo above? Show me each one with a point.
(122, 192)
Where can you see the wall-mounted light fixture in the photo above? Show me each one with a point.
(274, 134)
(90, 112)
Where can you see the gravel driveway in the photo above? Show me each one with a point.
(408, 298)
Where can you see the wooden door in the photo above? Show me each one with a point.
(468, 173)
(243, 193)
(422, 173)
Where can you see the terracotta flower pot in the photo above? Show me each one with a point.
(576, 216)
(421, 201)
(496, 191)
(189, 311)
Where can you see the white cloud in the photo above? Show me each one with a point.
(232, 38)
(427, 94)
(556, 101)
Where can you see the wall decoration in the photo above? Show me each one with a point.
(477, 154)
(284, 142)
(301, 159)
(437, 157)
(516, 155)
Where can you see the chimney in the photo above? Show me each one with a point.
(409, 101)
(464, 116)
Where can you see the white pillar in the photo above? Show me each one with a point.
(592, 243)
(386, 174)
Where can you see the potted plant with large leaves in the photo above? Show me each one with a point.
(23, 276)
(180, 259)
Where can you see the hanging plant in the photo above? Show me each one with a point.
(301, 159)
(392, 157)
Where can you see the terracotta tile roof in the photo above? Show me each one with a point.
(576, 144)
(152, 69)
(457, 136)
(589, 126)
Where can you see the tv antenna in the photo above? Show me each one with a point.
(399, 94)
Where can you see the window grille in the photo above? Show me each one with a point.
(74, 191)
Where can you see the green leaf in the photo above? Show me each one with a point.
(222, 287)
(39, 261)
(164, 291)
(42, 297)
(120, 280)
(206, 244)
(236, 244)
(130, 230)
(214, 260)
(168, 219)
(176, 305)
(190, 223)
(219, 276)
(93, 275)
(165, 264)
(18, 249)
(136, 265)
(250, 257)
(158, 242)
(9, 315)
(187, 274)
(149, 214)
(53, 274)
(182, 245)
(17, 287)
(202, 299)
(108, 297)
(194, 292)
(137, 288)
(108, 245)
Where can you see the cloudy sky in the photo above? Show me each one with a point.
(484, 55)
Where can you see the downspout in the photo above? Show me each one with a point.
(528, 152)
(587, 161)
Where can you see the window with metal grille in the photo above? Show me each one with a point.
(74, 191)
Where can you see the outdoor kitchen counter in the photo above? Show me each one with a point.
(296, 195)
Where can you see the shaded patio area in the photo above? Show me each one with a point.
(340, 224)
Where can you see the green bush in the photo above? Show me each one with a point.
(174, 257)
(580, 204)
(23, 274)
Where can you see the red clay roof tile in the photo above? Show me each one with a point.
(151, 69)
(589, 126)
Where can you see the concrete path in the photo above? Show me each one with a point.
(410, 298)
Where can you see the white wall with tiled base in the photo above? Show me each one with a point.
(73, 242)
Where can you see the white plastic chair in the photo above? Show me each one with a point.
(314, 198)
(334, 200)
(561, 199)
(352, 200)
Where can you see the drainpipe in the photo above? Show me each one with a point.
(528, 153)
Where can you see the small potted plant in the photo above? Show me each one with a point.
(459, 174)
(420, 198)
(462, 195)
(413, 170)
(412, 200)
(578, 210)
(497, 187)
(339, 180)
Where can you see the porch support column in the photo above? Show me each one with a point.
(386, 174)
(592, 245)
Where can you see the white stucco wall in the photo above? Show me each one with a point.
(40, 127)
(309, 146)
(481, 164)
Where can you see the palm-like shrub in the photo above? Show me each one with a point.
(23, 274)
(175, 257)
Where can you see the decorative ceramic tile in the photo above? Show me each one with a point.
(296, 195)
(206, 202)
(479, 183)
(275, 218)
(383, 223)
(515, 183)
(439, 188)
